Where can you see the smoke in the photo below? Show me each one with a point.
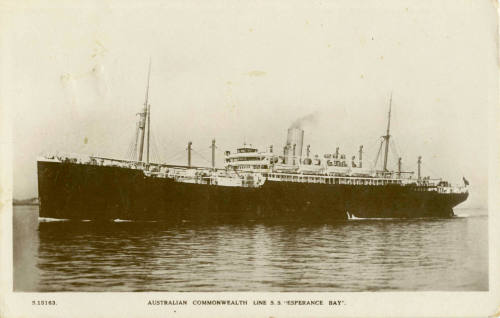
(309, 119)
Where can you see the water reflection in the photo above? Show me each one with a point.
(432, 254)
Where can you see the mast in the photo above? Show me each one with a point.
(149, 112)
(149, 128)
(213, 153)
(142, 123)
(135, 141)
(387, 136)
(399, 167)
(361, 156)
(189, 153)
(419, 163)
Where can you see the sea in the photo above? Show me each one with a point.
(354, 255)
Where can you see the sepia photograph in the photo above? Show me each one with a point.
(261, 158)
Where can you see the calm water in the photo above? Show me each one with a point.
(357, 255)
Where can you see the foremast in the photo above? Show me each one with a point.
(385, 139)
(387, 135)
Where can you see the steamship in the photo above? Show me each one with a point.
(253, 185)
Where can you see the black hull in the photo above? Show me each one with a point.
(78, 191)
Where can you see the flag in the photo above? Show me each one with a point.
(466, 182)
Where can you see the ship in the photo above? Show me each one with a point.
(253, 185)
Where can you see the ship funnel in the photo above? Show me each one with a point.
(295, 137)
(294, 148)
(286, 153)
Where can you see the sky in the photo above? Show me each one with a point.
(243, 72)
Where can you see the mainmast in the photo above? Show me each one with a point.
(149, 114)
(142, 123)
(387, 136)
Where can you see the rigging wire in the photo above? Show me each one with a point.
(398, 149)
(157, 145)
(175, 156)
(130, 155)
(163, 147)
(394, 151)
(429, 169)
(221, 152)
(393, 148)
(129, 151)
(199, 154)
(378, 154)
(367, 151)
(154, 148)
(167, 143)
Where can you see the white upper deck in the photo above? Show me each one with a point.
(248, 167)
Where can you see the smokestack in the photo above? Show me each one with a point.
(353, 164)
(295, 136)
(337, 152)
(294, 146)
(308, 151)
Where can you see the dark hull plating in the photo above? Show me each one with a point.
(77, 191)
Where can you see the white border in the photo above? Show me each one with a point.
(379, 304)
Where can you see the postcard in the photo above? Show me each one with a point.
(249, 158)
